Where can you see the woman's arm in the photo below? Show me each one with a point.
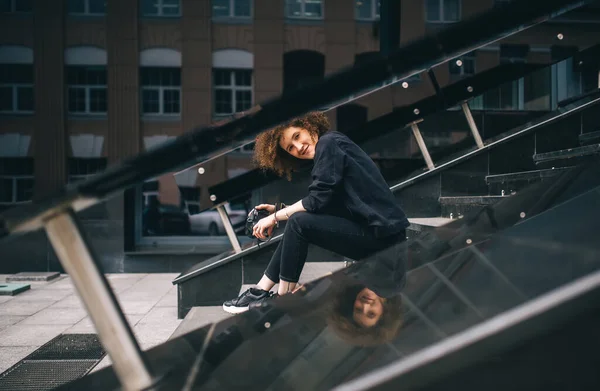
(265, 226)
(288, 211)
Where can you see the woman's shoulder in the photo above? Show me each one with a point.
(333, 137)
(334, 142)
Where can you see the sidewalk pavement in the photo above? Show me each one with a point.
(30, 319)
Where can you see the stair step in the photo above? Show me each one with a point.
(433, 222)
(588, 137)
(455, 207)
(566, 153)
(199, 317)
(471, 200)
(423, 224)
(525, 175)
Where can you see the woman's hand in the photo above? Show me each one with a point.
(264, 225)
(268, 207)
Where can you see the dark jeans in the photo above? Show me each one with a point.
(332, 233)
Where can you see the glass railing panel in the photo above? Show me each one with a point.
(437, 302)
(480, 282)
(396, 153)
(462, 289)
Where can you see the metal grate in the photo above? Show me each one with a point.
(70, 347)
(43, 375)
(62, 360)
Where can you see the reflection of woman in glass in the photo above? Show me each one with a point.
(367, 310)
(362, 317)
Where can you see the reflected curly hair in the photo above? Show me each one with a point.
(268, 155)
(342, 321)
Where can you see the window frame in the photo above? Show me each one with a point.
(15, 98)
(86, 10)
(518, 102)
(442, 19)
(87, 88)
(15, 179)
(303, 8)
(232, 12)
(478, 102)
(374, 15)
(161, 93)
(161, 101)
(160, 7)
(233, 88)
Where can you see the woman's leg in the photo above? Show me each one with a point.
(261, 292)
(333, 233)
(271, 276)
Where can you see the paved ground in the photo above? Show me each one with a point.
(32, 318)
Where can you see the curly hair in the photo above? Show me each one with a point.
(341, 319)
(268, 155)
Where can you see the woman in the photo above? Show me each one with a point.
(349, 208)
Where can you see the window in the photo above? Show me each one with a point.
(232, 8)
(442, 11)
(16, 6)
(161, 8)
(82, 168)
(232, 90)
(466, 67)
(86, 90)
(16, 180)
(304, 9)
(533, 92)
(161, 90)
(16, 88)
(505, 97)
(86, 7)
(367, 9)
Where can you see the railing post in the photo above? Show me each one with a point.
(77, 258)
(422, 146)
(235, 243)
(472, 124)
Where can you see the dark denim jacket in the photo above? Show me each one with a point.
(344, 176)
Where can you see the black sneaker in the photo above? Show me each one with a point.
(242, 302)
(263, 301)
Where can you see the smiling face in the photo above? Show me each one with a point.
(368, 308)
(298, 142)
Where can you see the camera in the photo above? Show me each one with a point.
(253, 218)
